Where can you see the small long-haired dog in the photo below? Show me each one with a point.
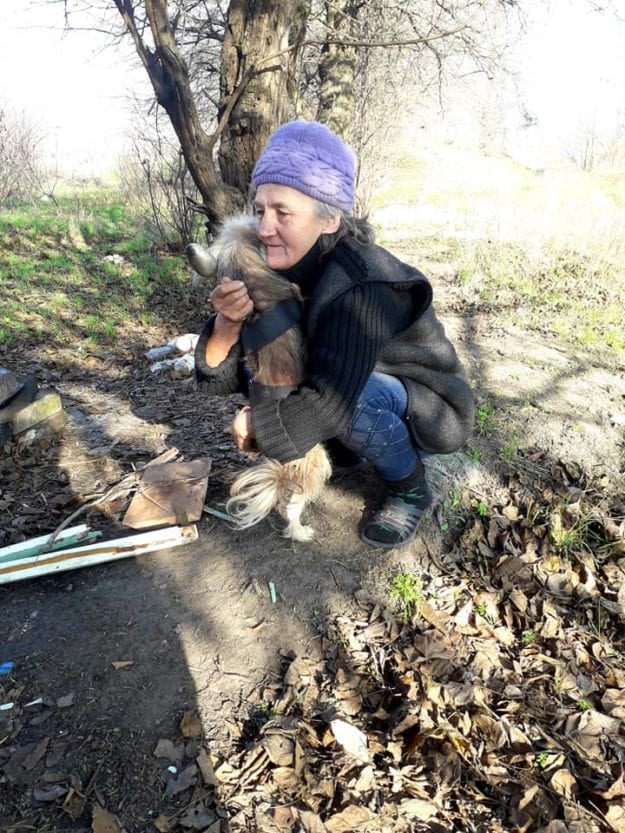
(238, 254)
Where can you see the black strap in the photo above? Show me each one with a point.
(261, 394)
(267, 327)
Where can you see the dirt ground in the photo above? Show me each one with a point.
(195, 628)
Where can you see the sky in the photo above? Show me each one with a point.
(70, 84)
(574, 64)
(79, 92)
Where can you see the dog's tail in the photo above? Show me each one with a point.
(255, 493)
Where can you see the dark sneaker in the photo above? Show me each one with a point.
(396, 522)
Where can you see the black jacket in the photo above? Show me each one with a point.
(367, 311)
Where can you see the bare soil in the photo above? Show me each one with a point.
(196, 626)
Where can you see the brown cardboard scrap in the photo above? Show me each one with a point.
(169, 493)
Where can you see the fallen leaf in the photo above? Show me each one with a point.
(49, 793)
(615, 817)
(283, 818)
(284, 778)
(186, 779)
(417, 808)
(206, 768)
(563, 783)
(104, 822)
(35, 755)
(349, 820)
(613, 701)
(162, 824)
(166, 749)
(66, 701)
(366, 780)
(279, 748)
(191, 725)
(617, 790)
(74, 804)
(351, 739)
(309, 821)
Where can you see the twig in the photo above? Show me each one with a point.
(122, 488)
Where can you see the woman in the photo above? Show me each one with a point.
(383, 380)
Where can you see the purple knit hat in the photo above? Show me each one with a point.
(307, 156)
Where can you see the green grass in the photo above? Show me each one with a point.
(529, 637)
(72, 291)
(407, 590)
(564, 292)
(485, 421)
(544, 251)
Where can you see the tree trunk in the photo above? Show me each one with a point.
(337, 68)
(254, 55)
(169, 77)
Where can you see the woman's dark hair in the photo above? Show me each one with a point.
(358, 229)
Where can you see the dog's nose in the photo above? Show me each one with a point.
(201, 260)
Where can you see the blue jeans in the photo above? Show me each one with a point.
(377, 430)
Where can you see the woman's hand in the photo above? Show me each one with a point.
(233, 305)
(242, 430)
(231, 301)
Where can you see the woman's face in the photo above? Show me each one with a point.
(288, 224)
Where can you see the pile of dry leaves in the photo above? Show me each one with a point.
(494, 700)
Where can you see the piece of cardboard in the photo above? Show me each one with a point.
(169, 493)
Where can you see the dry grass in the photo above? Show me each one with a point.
(543, 246)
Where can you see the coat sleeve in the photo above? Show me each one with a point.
(346, 345)
(228, 376)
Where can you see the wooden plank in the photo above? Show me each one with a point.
(169, 493)
(66, 538)
(76, 557)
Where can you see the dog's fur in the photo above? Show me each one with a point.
(237, 253)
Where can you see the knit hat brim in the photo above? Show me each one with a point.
(307, 156)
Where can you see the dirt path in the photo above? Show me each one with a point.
(196, 626)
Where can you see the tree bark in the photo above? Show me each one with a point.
(337, 68)
(254, 55)
(169, 76)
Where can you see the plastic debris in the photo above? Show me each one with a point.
(181, 344)
(85, 556)
(272, 593)
(183, 366)
(216, 512)
(6, 667)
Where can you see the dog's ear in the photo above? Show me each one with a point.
(202, 260)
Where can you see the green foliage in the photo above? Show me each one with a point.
(407, 590)
(485, 420)
(7, 336)
(452, 514)
(75, 290)
(474, 454)
(510, 451)
(529, 637)
(584, 705)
